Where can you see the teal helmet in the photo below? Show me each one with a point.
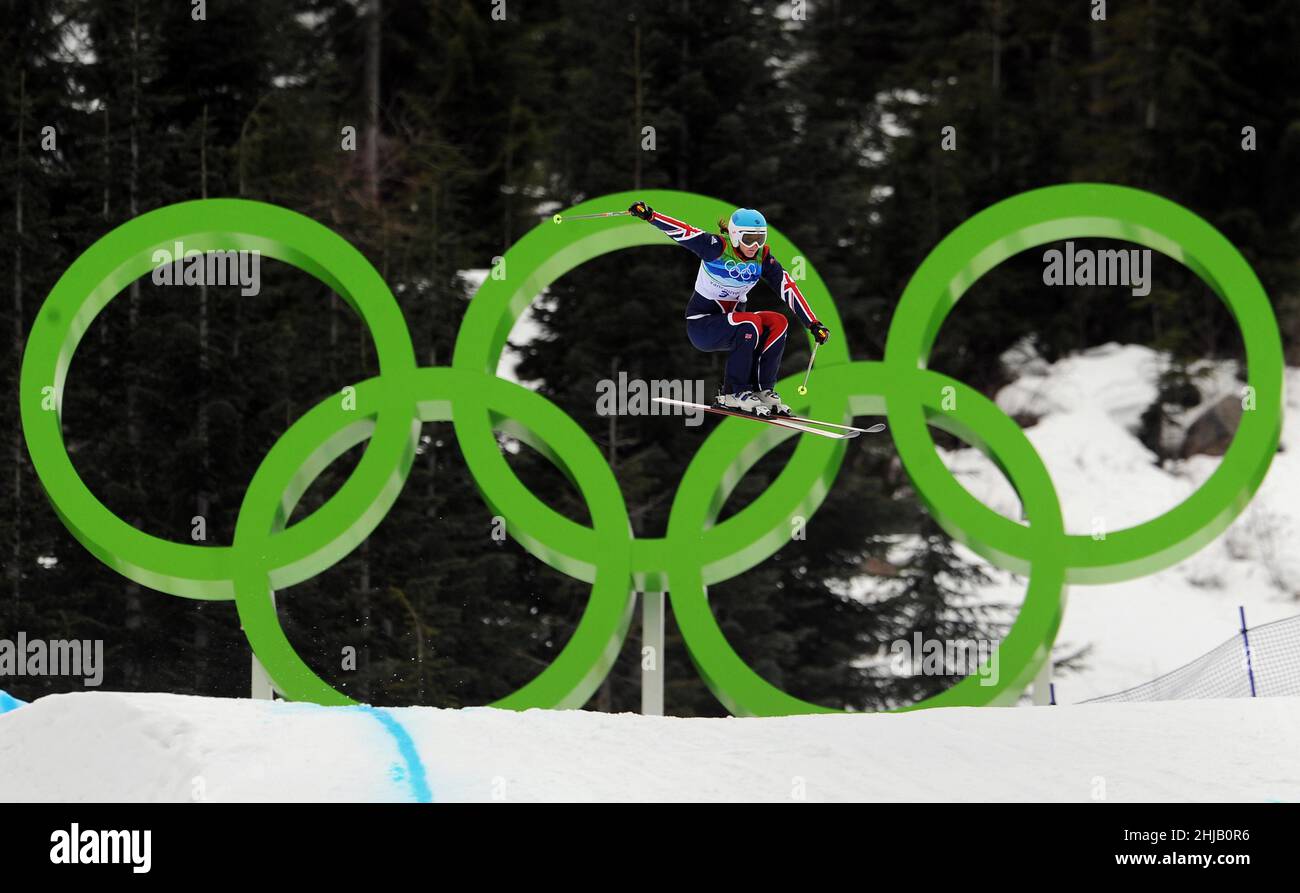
(747, 226)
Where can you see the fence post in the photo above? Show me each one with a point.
(1245, 638)
(1042, 695)
(652, 653)
(261, 688)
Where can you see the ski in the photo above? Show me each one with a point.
(871, 429)
(780, 421)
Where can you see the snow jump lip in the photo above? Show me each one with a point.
(149, 747)
(403, 768)
(415, 776)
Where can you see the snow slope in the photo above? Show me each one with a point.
(155, 747)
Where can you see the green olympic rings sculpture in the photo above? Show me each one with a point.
(269, 553)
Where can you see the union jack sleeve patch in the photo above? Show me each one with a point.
(678, 230)
(790, 292)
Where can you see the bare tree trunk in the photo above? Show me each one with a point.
(15, 568)
(434, 260)
(373, 49)
(996, 81)
(204, 358)
(372, 102)
(108, 164)
(507, 212)
(1097, 52)
(683, 170)
(104, 212)
(637, 123)
(134, 614)
(200, 621)
(1152, 91)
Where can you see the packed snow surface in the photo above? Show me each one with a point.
(158, 747)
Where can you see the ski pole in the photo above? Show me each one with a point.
(803, 388)
(560, 218)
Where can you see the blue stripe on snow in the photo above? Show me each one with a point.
(415, 774)
(9, 702)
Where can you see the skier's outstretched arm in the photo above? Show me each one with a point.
(788, 291)
(707, 246)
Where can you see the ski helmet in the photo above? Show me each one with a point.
(748, 226)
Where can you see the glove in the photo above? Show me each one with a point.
(642, 210)
(819, 332)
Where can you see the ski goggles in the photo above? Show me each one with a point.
(753, 238)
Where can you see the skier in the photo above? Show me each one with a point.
(730, 265)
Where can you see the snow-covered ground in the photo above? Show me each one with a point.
(154, 747)
(1088, 407)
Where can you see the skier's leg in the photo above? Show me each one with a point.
(769, 353)
(711, 333)
(740, 337)
(768, 360)
(746, 333)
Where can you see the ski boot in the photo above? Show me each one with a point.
(773, 402)
(745, 402)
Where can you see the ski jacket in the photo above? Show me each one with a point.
(724, 279)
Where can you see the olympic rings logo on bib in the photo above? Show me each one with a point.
(745, 272)
(269, 554)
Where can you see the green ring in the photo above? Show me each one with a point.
(327, 431)
(743, 691)
(1097, 211)
(389, 409)
(101, 273)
